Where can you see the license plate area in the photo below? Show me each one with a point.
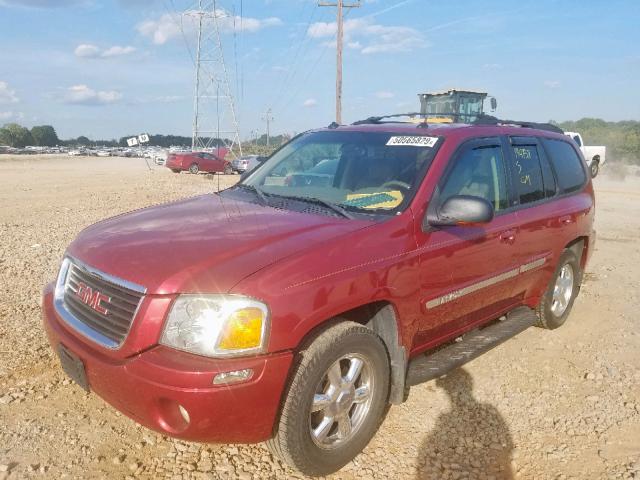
(73, 367)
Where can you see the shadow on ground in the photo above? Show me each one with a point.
(471, 440)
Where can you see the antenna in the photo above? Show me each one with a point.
(214, 115)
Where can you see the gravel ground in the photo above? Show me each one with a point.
(562, 404)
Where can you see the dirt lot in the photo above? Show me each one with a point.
(562, 404)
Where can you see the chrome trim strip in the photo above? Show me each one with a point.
(72, 321)
(109, 278)
(451, 296)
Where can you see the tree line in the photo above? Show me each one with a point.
(622, 139)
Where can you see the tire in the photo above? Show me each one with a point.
(550, 313)
(595, 168)
(228, 170)
(193, 168)
(339, 346)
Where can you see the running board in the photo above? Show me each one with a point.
(427, 367)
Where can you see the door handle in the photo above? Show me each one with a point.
(508, 236)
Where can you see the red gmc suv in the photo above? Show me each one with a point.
(295, 312)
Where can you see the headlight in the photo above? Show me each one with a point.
(217, 325)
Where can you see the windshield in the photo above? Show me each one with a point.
(358, 171)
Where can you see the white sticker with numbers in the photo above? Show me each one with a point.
(412, 141)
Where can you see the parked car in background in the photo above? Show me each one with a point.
(195, 162)
(103, 153)
(76, 153)
(594, 155)
(246, 163)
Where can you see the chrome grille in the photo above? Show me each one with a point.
(111, 316)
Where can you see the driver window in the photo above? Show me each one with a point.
(479, 172)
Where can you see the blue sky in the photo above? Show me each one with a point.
(111, 68)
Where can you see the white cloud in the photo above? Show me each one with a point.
(87, 50)
(385, 95)
(167, 27)
(551, 83)
(492, 66)
(42, 3)
(4, 116)
(117, 51)
(7, 94)
(83, 95)
(310, 103)
(369, 37)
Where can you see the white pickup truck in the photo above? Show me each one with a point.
(595, 156)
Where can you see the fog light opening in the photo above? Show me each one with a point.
(226, 378)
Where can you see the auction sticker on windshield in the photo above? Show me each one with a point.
(412, 141)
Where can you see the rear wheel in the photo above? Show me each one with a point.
(595, 168)
(556, 304)
(194, 168)
(335, 402)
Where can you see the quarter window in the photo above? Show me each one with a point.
(479, 172)
(527, 174)
(568, 165)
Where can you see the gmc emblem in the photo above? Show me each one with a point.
(92, 297)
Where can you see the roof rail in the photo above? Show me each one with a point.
(376, 120)
(490, 120)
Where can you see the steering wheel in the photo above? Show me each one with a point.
(396, 183)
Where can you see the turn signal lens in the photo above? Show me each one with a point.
(242, 330)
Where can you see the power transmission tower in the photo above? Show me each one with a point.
(214, 114)
(267, 117)
(339, 39)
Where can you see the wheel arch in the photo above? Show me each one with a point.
(579, 246)
(382, 318)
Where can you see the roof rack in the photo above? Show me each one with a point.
(490, 120)
(378, 120)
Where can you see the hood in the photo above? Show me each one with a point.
(202, 244)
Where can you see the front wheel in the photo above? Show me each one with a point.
(194, 168)
(335, 402)
(555, 306)
(595, 168)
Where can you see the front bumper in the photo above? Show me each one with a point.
(154, 386)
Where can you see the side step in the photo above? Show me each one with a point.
(427, 367)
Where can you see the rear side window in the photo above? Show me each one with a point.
(527, 174)
(567, 164)
(478, 172)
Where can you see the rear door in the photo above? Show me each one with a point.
(546, 221)
(467, 271)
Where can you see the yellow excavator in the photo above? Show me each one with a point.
(452, 106)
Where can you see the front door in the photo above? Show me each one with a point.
(467, 271)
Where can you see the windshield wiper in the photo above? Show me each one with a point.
(318, 201)
(257, 191)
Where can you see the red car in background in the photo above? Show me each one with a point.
(195, 162)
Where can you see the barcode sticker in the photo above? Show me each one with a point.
(412, 141)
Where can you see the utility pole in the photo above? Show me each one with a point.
(268, 118)
(339, 40)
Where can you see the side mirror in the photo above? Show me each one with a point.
(462, 210)
(494, 104)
